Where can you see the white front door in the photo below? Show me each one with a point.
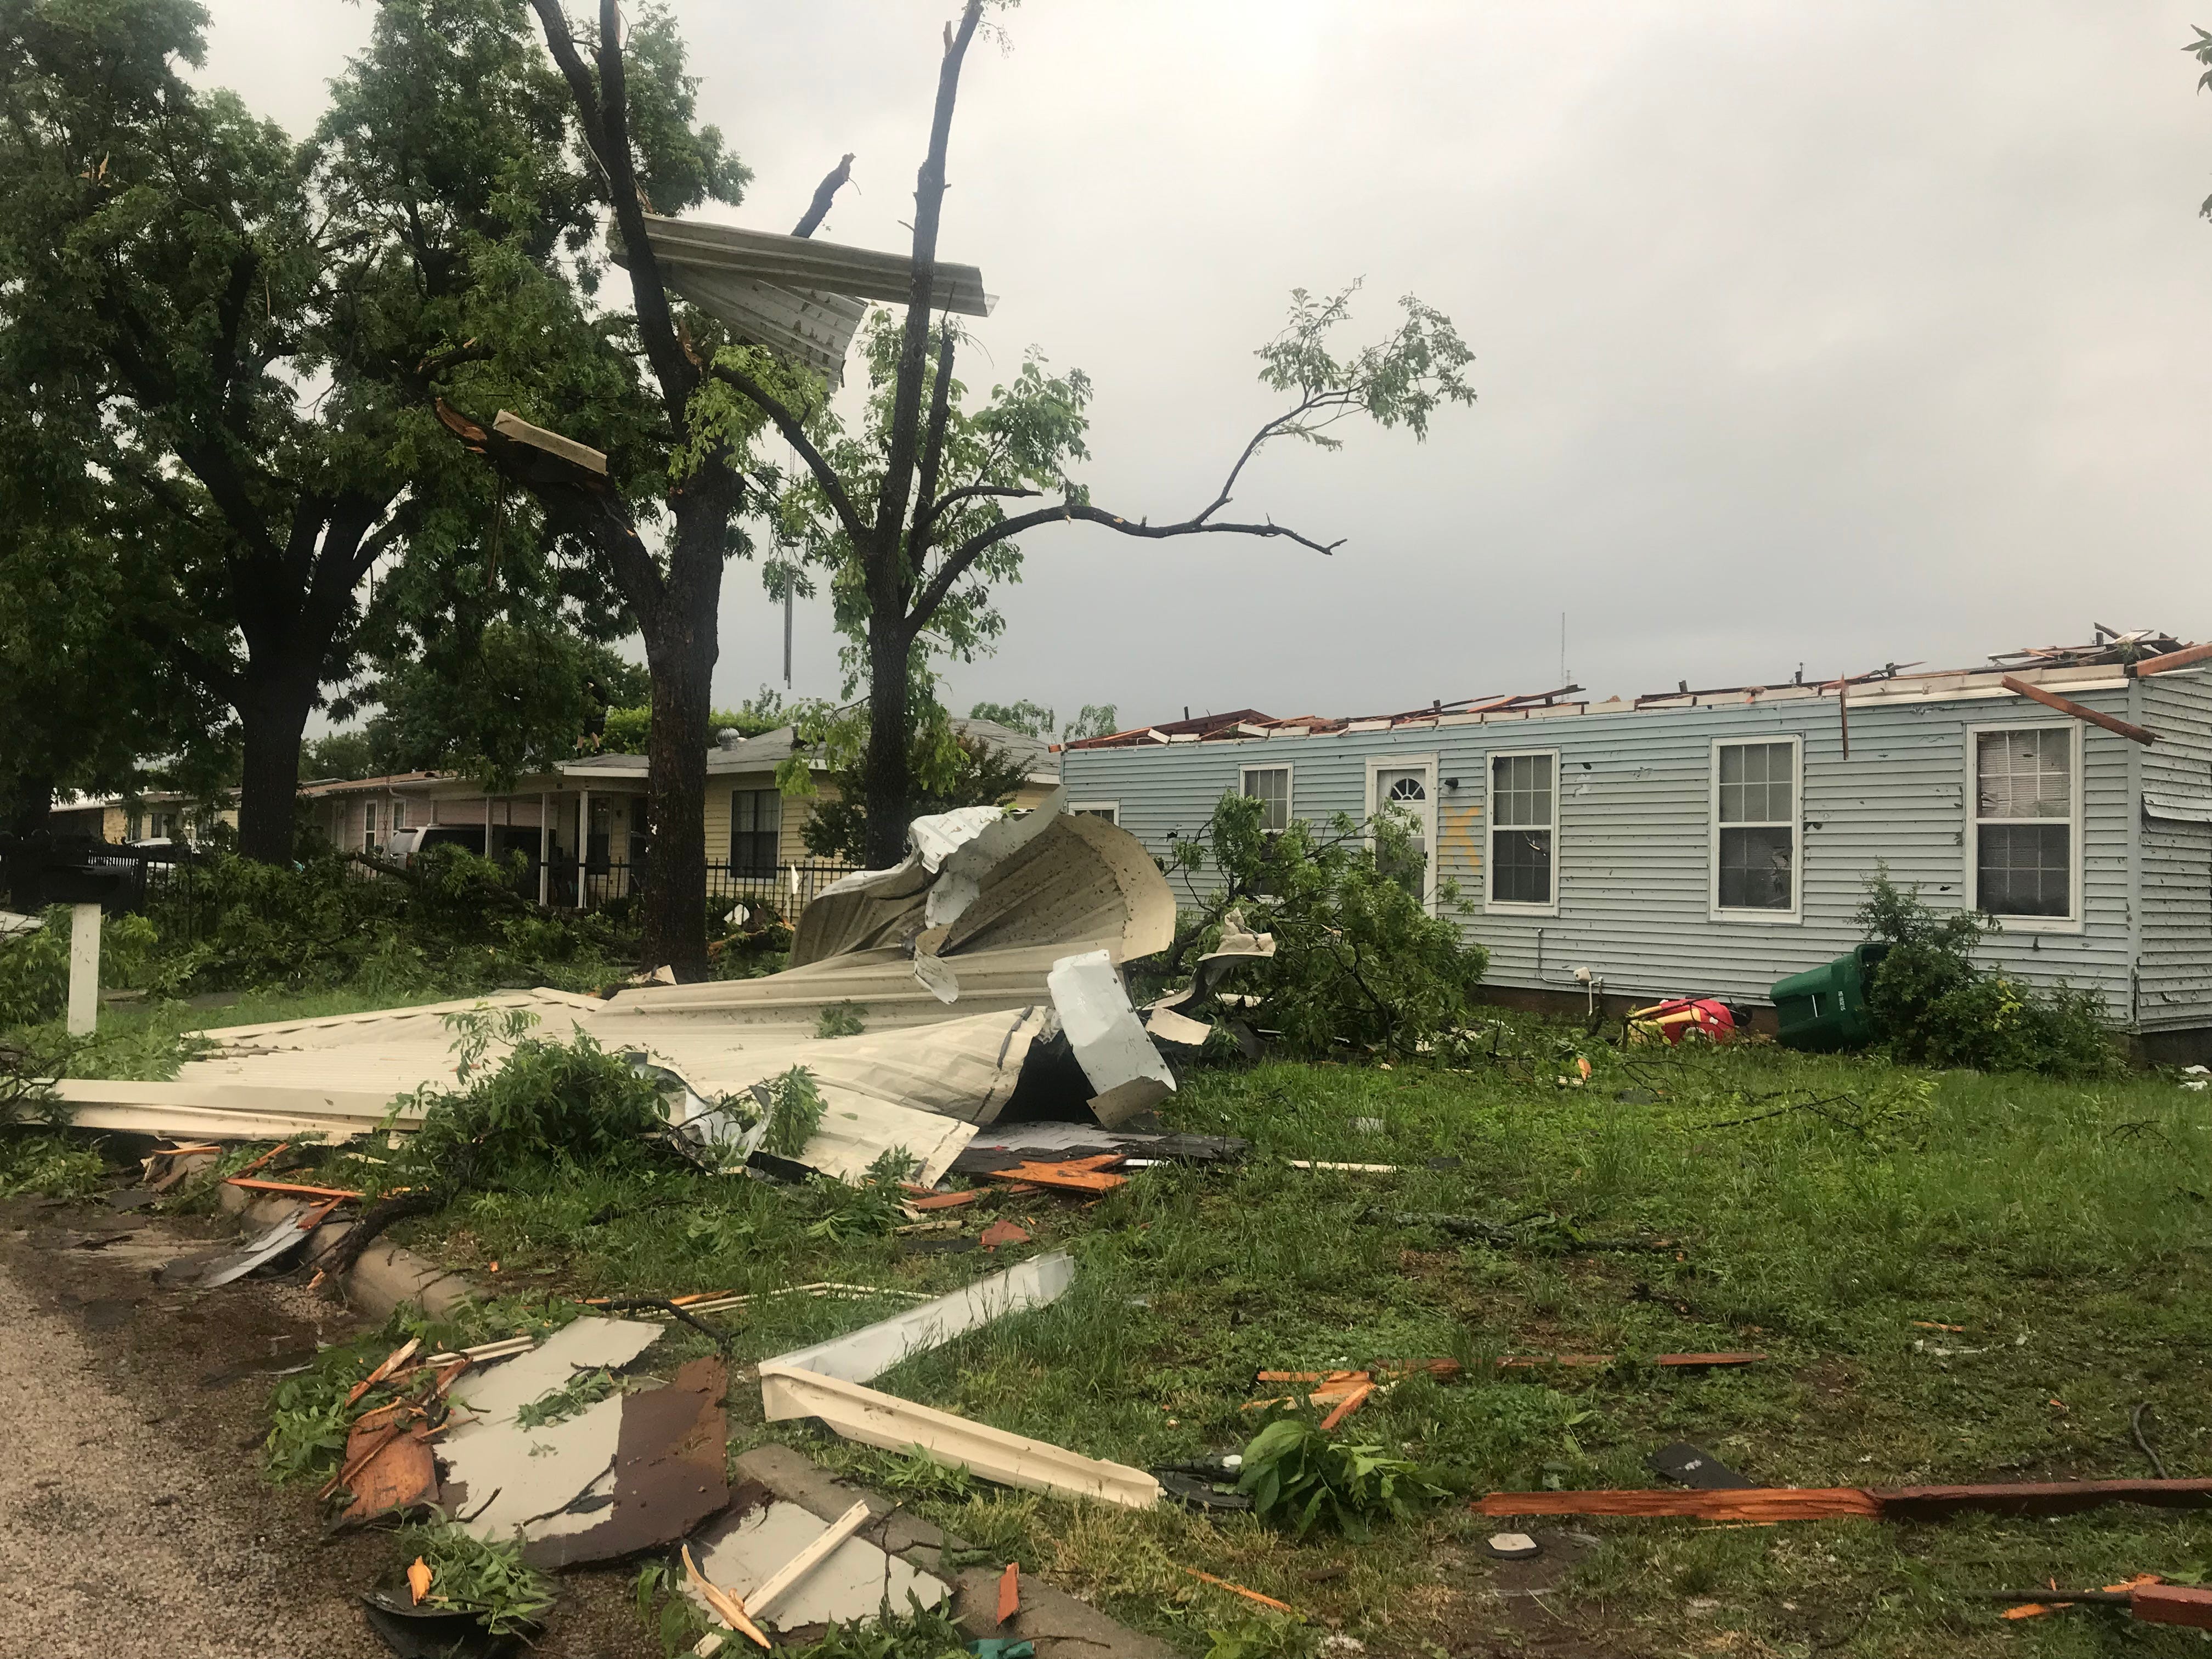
(1407, 790)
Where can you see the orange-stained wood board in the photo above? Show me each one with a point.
(1742, 1504)
(1083, 1175)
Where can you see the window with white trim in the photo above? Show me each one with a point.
(399, 813)
(1271, 787)
(1524, 822)
(369, 826)
(1755, 828)
(1108, 809)
(2026, 787)
(755, 821)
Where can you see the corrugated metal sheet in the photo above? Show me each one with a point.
(1633, 862)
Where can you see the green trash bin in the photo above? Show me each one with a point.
(1825, 1008)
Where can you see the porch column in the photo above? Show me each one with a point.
(583, 845)
(545, 847)
(487, 826)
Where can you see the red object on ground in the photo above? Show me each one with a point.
(1003, 1232)
(1708, 1016)
(1010, 1591)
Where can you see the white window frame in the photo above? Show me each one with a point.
(1380, 763)
(2074, 922)
(1289, 789)
(1490, 828)
(1108, 809)
(1794, 915)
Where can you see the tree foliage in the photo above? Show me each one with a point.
(1934, 1005)
(1097, 719)
(1359, 961)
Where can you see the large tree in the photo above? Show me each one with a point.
(909, 512)
(257, 323)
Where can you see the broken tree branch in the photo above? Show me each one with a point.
(2079, 711)
(824, 194)
(956, 562)
(794, 433)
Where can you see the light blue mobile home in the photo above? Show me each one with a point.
(1709, 843)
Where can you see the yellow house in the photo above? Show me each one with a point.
(755, 852)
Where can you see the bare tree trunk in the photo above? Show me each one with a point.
(24, 812)
(682, 645)
(888, 768)
(272, 709)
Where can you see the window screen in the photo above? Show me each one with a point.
(1523, 806)
(1757, 848)
(756, 817)
(2024, 830)
(1271, 787)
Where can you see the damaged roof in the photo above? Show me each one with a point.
(2111, 649)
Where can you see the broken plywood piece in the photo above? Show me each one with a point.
(2037, 1498)
(1012, 1460)
(867, 1353)
(396, 1476)
(515, 429)
(671, 1448)
(852, 1578)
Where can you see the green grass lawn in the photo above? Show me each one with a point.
(2062, 1229)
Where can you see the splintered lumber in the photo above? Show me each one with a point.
(943, 1200)
(806, 1560)
(1082, 1175)
(1345, 1408)
(1239, 1589)
(2080, 711)
(291, 1187)
(2185, 658)
(1746, 1504)
(2171, 1604)
(392, 1363)
(2039, 1498)
(1010, 1591)
(2035, 1498)
(727, 1606)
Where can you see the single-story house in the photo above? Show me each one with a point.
(754, 844)
(1711, 842)
(153, 815)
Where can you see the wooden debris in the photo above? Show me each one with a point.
(806, 1560)
(727, 1606)
(1003, 1232)
(1010, 1591)
(281, 1146)
(1351, 1402)
(1756, 1503)
(945, 1201)
(293, 1188)
(1764, 1503)
(2080, 711)
(1082, 1175)
(392, 1363)
(418, 1581)
(2171, 1604)
(1239, 1589)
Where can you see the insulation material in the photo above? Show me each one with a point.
(856, 1580)
(1109, 1039)
(1012, 1460)
(865, 1354)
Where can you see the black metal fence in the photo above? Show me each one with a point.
(182, 894)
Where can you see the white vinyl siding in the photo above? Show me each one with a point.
(1754, 855)
(1524, 832)
(1635, 824)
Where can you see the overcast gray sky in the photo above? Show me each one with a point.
(1832, 335)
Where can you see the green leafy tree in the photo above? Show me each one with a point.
(251, 317)
(1035, 719)
(907, 512)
